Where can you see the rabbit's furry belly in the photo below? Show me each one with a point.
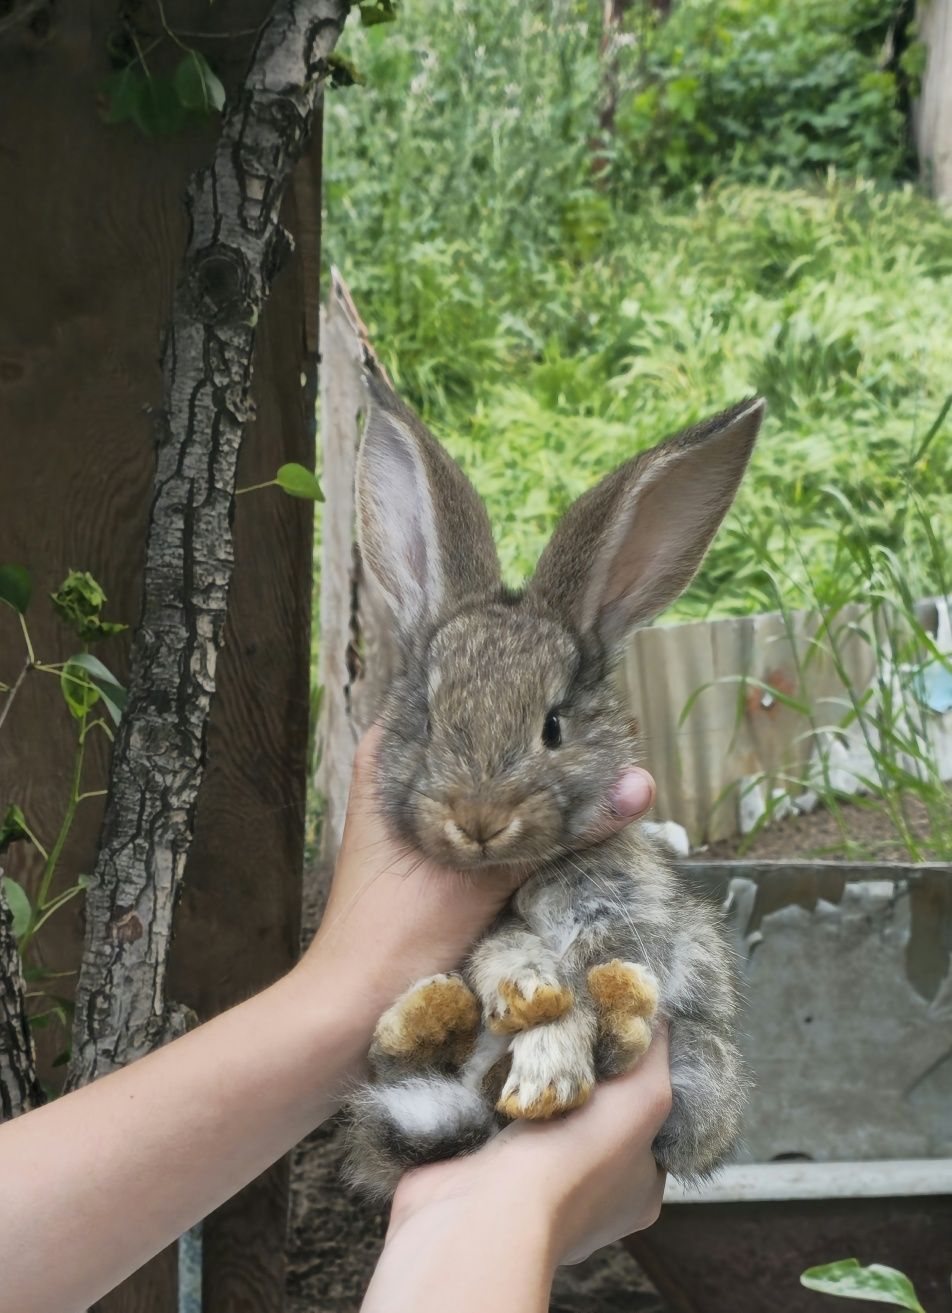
(562, 991)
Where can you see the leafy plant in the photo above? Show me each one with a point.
(85, 683)
(760, 89)
(877, 1284)
(159, 103)
(294, 479)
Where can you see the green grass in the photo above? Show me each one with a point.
(547, 331)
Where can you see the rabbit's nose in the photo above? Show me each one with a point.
(478, 824)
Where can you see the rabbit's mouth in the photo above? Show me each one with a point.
(473, 832)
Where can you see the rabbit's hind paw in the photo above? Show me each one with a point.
(435, 1021)
(552, 1069)
(528, 1001)
(625, 995)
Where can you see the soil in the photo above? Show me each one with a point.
(870, 835)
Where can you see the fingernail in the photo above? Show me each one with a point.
(633, 793)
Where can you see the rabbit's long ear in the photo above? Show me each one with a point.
(423, 532)
(630, 545)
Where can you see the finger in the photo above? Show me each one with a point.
(632, 795)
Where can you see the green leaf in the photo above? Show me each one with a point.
(78, 601)
(378, 11)
(113, 693)
(16, 587)
(158, 111)
(121, 91)
(61, 1059)
(84, 881)
(299, 482)
(79, 691)
(19, 905)
(880, 1285)
(344, 72)
(12, 827)
(196, 85)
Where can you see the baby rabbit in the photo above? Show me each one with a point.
(501, 733)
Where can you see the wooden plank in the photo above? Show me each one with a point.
(334, 1239)
(89, 256)
(742, 673)
(357, 654)
(932, 114)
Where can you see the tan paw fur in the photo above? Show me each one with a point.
(522, 1006)
(437, 1016)
(549, 1102)
(626, 998)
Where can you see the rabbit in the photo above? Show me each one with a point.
(500, 734)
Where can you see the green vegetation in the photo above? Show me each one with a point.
(752, 87)
(876, 1283)
(553, 300)
(548, 328)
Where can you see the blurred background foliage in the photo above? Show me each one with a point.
(565, 250)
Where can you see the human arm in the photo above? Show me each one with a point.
(112, 1173)
(488, 1231)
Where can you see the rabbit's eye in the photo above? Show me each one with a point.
(552, 730)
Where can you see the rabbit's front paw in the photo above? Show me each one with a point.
(436, 1018)
(552, 1072)
(530, 999)
(626, 998)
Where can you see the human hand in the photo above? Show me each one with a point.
(489, 1230)
(394, 916)
(589, 1177)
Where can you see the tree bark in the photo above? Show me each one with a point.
(236, 246)
(19, 1088)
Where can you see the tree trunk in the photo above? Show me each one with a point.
(19, 1088)
(236, 245)
(932, 114)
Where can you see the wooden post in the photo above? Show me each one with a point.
(90, 253)
(932, 115)
(334, 1238)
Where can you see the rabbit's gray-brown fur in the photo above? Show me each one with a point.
(501, 733)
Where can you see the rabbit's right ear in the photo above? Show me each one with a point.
(423, 532)
(630, 545)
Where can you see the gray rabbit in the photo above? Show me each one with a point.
(501, 732)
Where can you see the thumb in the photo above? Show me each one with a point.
(631, 796)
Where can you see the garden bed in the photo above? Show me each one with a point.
(864, 824)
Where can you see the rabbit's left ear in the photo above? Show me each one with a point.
(630, 545)
(423, 532)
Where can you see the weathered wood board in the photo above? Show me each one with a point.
(932, 115)
(91, 234)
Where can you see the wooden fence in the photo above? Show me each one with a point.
(93, 229)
